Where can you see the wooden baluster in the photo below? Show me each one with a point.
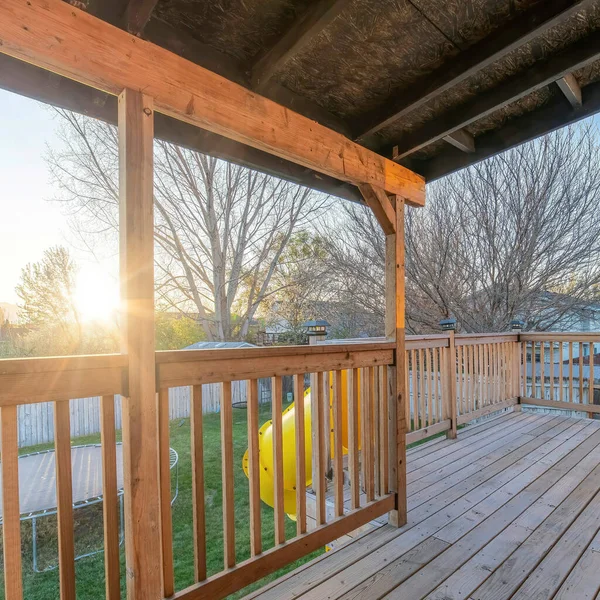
(353, 436)
(64, 499)
(414, 423)
(376, 429)
(407, 404)
(523, 386)
(591, 379)
(110, 507)
(551, 367)
(543, 369)
(384, 437)
(581, 373)
(481, 371)
(320, 485)
(571, 372)
(561, 396)
(338, 462)
(165, 493)
(368, 453)
(11, 524)
(278, 508)
(436, 413)
(422, 409)
(460, 352)
(426, 389)
(300, 455)
(198, 507)
(227, 476)
(471, 369)
(254, 466)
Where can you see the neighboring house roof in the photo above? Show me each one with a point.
(218, 345)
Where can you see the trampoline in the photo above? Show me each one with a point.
(37, 486)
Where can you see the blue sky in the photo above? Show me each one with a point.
(29, 222)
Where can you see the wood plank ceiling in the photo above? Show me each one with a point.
(435, 85)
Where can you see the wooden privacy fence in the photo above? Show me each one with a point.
(36, 421)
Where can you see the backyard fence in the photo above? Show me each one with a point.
(36, 421)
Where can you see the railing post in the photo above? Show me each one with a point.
(517, 372)
(451, 387)
(395, 329)
(140, 407)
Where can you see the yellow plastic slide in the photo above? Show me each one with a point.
(289, 450)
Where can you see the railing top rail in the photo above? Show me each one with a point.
(468, 339)
(561, 336)
(10, 366)
(178, 356)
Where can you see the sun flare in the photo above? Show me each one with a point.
(96, 295)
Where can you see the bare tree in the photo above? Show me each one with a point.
(47, 291)
(220, 229)
(516, 236)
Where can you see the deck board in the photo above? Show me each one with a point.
(510, 509)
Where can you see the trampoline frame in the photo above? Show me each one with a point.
(35, 515)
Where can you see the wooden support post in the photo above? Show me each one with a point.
(451, 387)
(395, 329)
(140, 407)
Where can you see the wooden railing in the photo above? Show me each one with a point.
(455, 379)
(451, 379)
(558, 371)
(364, 369)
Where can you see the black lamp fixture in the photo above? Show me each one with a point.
(517, 325)
(316, 327)
(448, 324)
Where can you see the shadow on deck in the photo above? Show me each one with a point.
(511, 509)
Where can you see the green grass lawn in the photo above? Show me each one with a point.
(88, 525)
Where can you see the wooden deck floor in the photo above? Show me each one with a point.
(511, 509)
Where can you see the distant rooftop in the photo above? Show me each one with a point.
(218, 345)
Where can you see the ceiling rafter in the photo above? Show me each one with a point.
(137, 15)
(569, 86)
(479, 56)
(297, 37)
(539, 75)
(553, 115)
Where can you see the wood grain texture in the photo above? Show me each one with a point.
(254, 469)
(198, 503)
(140, 407)
(11, 524)
(227, 477)
(166, 519)
(109, 59)
(300, 454)
(276, 416)
(64, 500)
(110, 503)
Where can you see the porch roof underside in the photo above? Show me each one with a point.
(437, 85)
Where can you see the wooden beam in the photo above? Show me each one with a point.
(33, 82)
(184, 45)
(140, 410)
(102, 56)
(570, 88)
(137, 14)
(302, 31)
(462, 140)
(538, 76)
(553, 115)
(381, 206)
(482, 54)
